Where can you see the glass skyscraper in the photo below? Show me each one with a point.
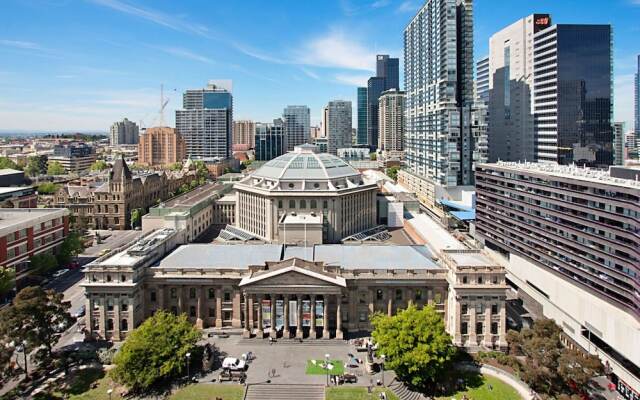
(389, 69)
(206, 121)
(361, 135)
(270, 140)
(387, 77)
(572, 95)
(297, 120)
(375, 87)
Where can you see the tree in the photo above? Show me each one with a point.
(392, 172)
(99, 165)
(36, 319)
(55, 168)
(136, 214)
(193, 184)
(7, 280)
(43, 263)
(155, 351)
(373, 156)
(7, 163)
(201, 169)
(34, 167)
(70, 248)
(177, 166)
(577, 368)
(47, 188)
(415, 344)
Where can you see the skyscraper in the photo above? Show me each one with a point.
(388, 68)
(361, 135)
(510, 124)
(572, 98)
(270, 140)
(160, 146)
(206, 121)
(338, 125)
(618, 143)
(482, 80)
(124, 132)
(439, 87)
(387, 77)
(244, 132)
(375, 87)
(296, 122)
(391, 118)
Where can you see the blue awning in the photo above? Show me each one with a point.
(464, 215)
(454, 205)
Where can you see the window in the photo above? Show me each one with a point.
(173, 292)
(379, 294)
(123, 278)
(108, 278)
(212, 312)
(494, 328)
(398, 294)
(109, 304)
(124, 307)
(211, 293)
(418, 294)
(464, 309)
(192, 311)
(124, 325)
(362, 317)
(494, 309)
(292, 204)
(227, 296)
(279, 203)
(110, 324)
(479, 328)
(464, 279)
(153, 296)
(313, 204)
(192, 293)
(96, 324)
(362, 299)
(495, 279)
(303, 203)
(479, 308)
(463, 328)
(437, 298)
(480, 280)
(325, 204)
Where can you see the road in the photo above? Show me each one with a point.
(114, 240)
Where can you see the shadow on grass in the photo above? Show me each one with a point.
(459, 381)
(83, 380)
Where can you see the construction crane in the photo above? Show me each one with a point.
(163, 105)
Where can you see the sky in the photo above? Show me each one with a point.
(80, 65)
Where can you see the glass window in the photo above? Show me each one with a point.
(494, 309)
(379, 294)
(362, 317)
(174, 293)
(123, 278)
(480, 280)
(212, 312)
(398, 294)
(152, 295)
(211, 293)
(192, 293)
(292, 204)
(303, 203)
(279, 203)
(479, 328)
(124, 325)
(314, 204)
(494, 328)
(227, 296)
(464, 279)
(192, 311)
(464, 309)
(110, 324)
(418, 294)
(124, 306)
(463, 328)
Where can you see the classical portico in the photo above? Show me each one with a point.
(292, 298)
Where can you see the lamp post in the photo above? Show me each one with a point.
(188, 355)
(326, 365)
(383, 357)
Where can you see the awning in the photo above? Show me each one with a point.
(464, 215)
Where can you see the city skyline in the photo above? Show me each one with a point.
(105, 59)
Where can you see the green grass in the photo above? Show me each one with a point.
(477, 388)
(100, 392)
(209, 391)
(357, 393)
(338, 368)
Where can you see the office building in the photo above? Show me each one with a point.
(297, 122)
(510, 126)
(338, 118)
(375, 87)
(391, 122)
(123, 132)
(206, 121)
(439, 89)
(570, 239)
(387, 77)
(618, 143)
(572, 95)
(314, 133)
(74, 157)
(18, 197)
(161, 146)
(361, 133)
(389, 69)
(244, 132)
(271, 140)
(482, 80)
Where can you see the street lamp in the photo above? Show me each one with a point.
(383, 357)
(109, 393)
(326, 365)
(188, 355)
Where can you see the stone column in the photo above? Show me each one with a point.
(236, 319)
(245, 329)
(457, 338)
(312, 323)
(430, 296)
(218, 308)
(325, 318)
(260, 331)
(353, 309)
(502, 325)
(299, 333)
(409, 294)
(339, 334)
(285, 310)
(487, 326)
(251, 313)
(180, 300)
(471, 328)
(199, 309)
(390, 302)
(102, 323)
(160, 298)
(116, 318)
(88, 315)
(273, 332)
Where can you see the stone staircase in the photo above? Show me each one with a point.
(272, 391)
(404, 393)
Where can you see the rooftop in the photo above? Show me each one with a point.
(19, 218)
(194, 196)
(301, 218)
(6, 190)
(9, 171)
(239, 256)
(436, 237)
(470, 258)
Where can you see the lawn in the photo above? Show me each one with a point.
(357, 393)
(316, 369)
(209, 391)
(480, 387)
(100, 392)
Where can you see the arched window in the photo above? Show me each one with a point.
(303, 203)
(124, 325)
(314, 204)
(109, 324)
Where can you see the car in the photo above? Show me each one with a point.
(59, 273)
(234, 364)
(74, 265)
(80, 311)
(103, 252)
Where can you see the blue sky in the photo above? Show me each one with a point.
(82, 64)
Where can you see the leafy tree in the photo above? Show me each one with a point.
(36, 319)
(99, 165)
(155, 351)
(578, 368)
(392, 172)
(34, 166)
(47, 188)
(55, 168)
(201, 169)
(193, 184)
(136, 214)
(7, 280)
(7, 163)
(70, 248)
(415, 344)
(177, 166)
(43, 263)
(184, 188)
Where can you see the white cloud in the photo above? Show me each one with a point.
(251, 52)
(336, 49)
(310, 73)
(352, 80)
(380, 3)
(185, 53)
(19, 44)
(408, 6)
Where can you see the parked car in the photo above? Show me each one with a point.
(80, 312)
(74, 264)
(234, 364)
(229, 375)
(59, 273)
(103, 252)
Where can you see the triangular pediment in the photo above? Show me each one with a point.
(293, 272)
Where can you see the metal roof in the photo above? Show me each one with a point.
(376, 256)
(222, 256)
(305, 165)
